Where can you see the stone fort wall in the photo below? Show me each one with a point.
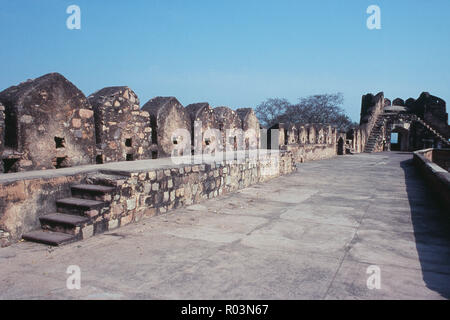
(48, 123)
(139, 192)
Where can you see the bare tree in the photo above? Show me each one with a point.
(272, 111)
(322, 108)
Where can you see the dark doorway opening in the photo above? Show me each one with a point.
(399, 139)
(395, 145)
(340, 146)
(99, 159)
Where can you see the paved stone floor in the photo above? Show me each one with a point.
(309, 235)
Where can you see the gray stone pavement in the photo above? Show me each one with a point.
(309, 235)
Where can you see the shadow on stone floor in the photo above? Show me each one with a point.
(431, 225)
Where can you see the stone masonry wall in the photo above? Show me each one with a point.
(49, 124)
(311, 142)
(167, 115)
(22, 202)
(123, 131)
(371, 107)
(144, 194)
(138, 194)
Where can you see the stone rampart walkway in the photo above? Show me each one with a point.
(309, 235)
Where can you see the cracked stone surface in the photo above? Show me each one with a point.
(309, 235)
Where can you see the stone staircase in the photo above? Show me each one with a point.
(435, 133)
(375, 135)
(76, 216)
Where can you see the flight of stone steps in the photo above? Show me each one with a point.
(75, 216)
(375, 135)
(437, 134)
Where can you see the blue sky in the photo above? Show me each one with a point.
(233, 53)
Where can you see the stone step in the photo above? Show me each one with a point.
(50, 238)
(112, 180)
(80, 206)
(94, 188)
(92, 192)
(65, 223)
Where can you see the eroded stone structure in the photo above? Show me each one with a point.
(251, 127)
(110, 126)
(170, 123)
(230, 125)
(306, 142)
(418, 124)
(204, 124)
(49, 124)
(123, 130)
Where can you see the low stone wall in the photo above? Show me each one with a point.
(311, 152)
(144, 194)
(22, 202)
(142, 189)
(437, 177)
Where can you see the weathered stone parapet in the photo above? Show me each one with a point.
(312, 135)
(432, 110)
(302, 135)
(437, 177)
(140, 190)
(320, 138)
(311, 152)
(171, 124)
(306, 142)
(251, 127)
(230, 125)
(398, 102)
(291, 134)
(123, 130)
(49, 124)
(329, 134)
(204, 124)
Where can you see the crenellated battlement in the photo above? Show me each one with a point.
(48, 123)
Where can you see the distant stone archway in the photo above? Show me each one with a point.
(402, 143)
